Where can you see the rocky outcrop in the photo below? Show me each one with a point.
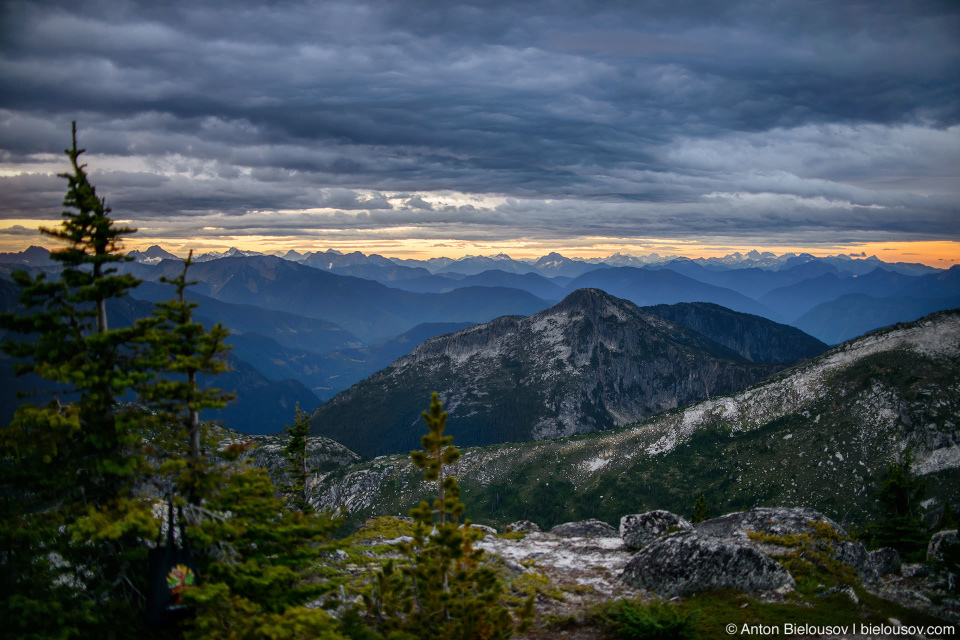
(689, 562)
(940, 542)
(323, 454)
(886, 561)
(856, 556)
(585, 529)
(522, 525)
(777, 521)
(640, 529)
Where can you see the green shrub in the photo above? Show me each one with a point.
(626, 619)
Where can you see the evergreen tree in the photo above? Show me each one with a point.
(443, 592)
(900, 495)
(254, 558)
(74, 522)
(296, 469)
(257, 561)
(701, 510)
(182, 350)
(70, 533)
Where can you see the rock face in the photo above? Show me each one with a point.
(590, 363)
(522, 525)
(776, 521)
(886, 560)
(756, 339)
(855, 555)
(639, 530)
(689, 562)
(585, 529)
(939, 543)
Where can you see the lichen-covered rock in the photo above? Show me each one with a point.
(886, 561)
(521, 525)
(585, 529)
(773, 520)
(482, 527)
(689, 562)
(856, 556)
(640, 529)
(939, 543)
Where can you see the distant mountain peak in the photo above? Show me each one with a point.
(33, 255)
(553, 255)
(156, 251)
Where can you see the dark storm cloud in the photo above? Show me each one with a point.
(681, 119)
(19, 230)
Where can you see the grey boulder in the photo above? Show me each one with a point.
(521, 525)
(640, 529)
(856, 556)
(940, 542)
(585, 529)
(776, 521)
(887, 561)
(689, 562)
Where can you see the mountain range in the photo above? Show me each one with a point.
(782, 288)
(301, 317)
(589, 363)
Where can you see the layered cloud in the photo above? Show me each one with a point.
(491, 121)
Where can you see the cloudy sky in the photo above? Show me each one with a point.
(431, 127)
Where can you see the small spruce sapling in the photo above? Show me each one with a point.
(701, 510)
(443, 592)
(295, 486)
(900, 494)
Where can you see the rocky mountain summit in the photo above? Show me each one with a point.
(819, 434)
(589, 363)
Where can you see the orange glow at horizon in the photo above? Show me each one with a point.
(935, 253)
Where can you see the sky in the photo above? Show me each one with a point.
(417, 128)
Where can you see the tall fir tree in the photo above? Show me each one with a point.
(182, 350)
(71, 528)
